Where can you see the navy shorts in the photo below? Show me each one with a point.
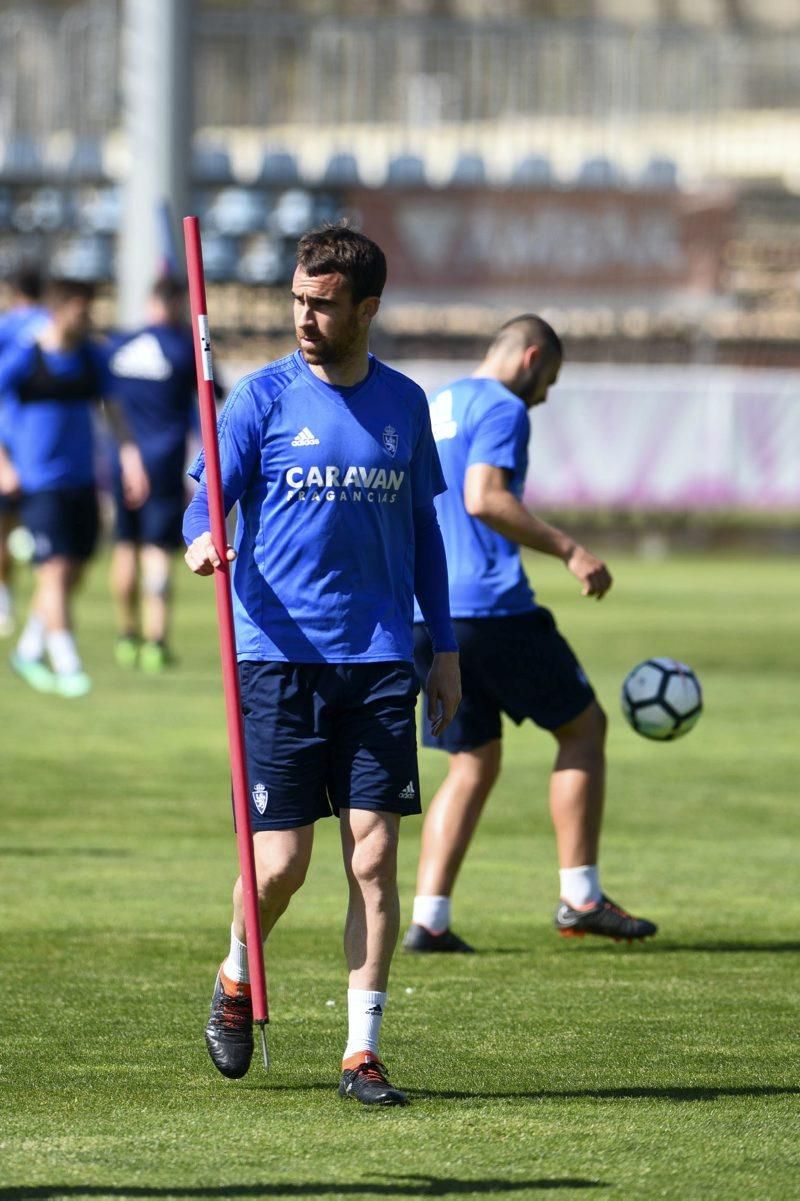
(325, 737)
(158, 522)
(518, 665)
(63, 522)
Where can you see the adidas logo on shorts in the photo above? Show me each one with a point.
(305, 438)
(408, 792)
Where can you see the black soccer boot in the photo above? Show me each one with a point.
(229, 1033)
(419, 939)
(367, 1083)
(604, 918)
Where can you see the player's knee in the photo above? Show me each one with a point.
(587, 731)
(156, 578)
(477, 771)
(374, 863)
(281, 876)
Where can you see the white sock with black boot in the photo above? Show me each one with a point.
(580, 886)
(432, 913)
(365, 1011)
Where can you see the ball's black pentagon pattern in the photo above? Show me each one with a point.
(648, 708)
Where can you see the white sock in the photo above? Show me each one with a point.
(31, 643)
(433, 913)
(235, 966)
(580, 885)
(5, 601)
(63, 652)
(364, 1016)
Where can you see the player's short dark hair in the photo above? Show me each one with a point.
(338, 248)
(27, 281)
(61, 290)
(168, 289)
(530, 330)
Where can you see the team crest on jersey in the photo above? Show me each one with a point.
(390, 440)
(260, 797)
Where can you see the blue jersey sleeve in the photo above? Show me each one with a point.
(239, 435)
(427, 478)
(499, 436)
(430, 579)
(15, 363)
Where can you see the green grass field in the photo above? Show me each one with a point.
(537, 1067)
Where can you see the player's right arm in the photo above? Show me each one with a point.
(238, 433)
(488, 497)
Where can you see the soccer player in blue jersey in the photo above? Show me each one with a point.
(24, 315)
(330, 456)
(513, 659)
(152, 377)
(49, 385)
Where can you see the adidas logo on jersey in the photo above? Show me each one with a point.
(141, 358)
(305, 438)
(408, 792)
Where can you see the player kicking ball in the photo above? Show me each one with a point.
(331, 459)
(513, 659)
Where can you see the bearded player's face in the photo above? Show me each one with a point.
(329, 327)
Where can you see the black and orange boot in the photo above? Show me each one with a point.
(364, 1079)
(229, 1033)
(418, 938)
(603, 918)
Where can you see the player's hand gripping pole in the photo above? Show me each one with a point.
(227, 640)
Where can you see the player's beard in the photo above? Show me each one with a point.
(326, 352)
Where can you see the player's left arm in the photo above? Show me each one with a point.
(443, 687)
(135, 480)
(488, 497)
(431, 585)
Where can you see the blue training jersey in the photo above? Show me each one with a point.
(480, 421)
(152, 375)
(327, 481)
(21, 324)
(47, 413)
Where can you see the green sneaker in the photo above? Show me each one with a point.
(126, 651)
(153, 657)
(34, 672)
(72, 684)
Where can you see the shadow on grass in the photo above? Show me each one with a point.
(727, 948)
(64, 853)
(397, 1186)
(644, 1093)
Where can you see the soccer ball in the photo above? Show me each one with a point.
(662, 699)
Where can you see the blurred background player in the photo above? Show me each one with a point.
(24, 316)
(152, 376)
(513, 659)
(49, 385)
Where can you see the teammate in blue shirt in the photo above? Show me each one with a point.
(330, 457)
(152, 376)
(49, 386)
(24, 316)
(513, 659)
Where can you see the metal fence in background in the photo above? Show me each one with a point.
(257, 68)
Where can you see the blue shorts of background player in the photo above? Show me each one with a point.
(158, 522)
(64, 522)
(519, 665)
(324, 737)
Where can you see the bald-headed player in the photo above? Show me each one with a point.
(513, 659)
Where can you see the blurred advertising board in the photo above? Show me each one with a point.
(590, 239)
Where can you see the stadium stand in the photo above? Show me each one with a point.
(279, 168)
(406, 171)
(341, 170)
(469, 171)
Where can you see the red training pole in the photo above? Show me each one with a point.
(227, 638)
